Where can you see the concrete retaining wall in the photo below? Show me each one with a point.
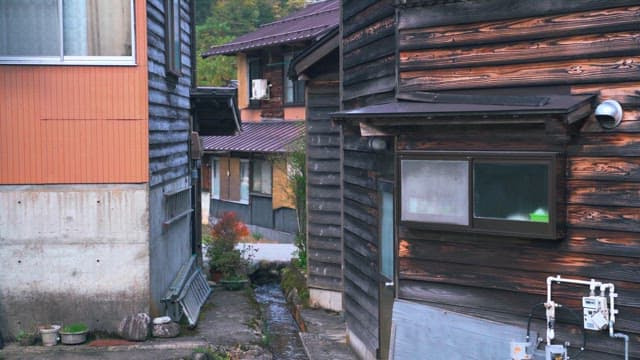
(73, 253)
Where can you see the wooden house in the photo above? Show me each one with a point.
(475, 171)
(247, 174)
(95, 167)
(267, 100)
(319, 65)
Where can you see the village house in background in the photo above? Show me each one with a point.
(96, 208)
(247, 173)
(475, 168)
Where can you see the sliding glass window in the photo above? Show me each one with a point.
(67, 32)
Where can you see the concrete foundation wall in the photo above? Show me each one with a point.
(72, 253)
(326, 299)
(359, 347)
(170, 246)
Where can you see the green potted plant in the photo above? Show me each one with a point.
(74, 334)
(26, 338)
(228, 264)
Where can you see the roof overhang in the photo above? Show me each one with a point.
(304, 25)
(310, 56)
(430, 109)
(257, 137)
(215, 110)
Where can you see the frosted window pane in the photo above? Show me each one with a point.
(386, 236)
(266, 177)
(215, 179)
(435, 191)
(244, 181)
(517, 192)
(97, 27)
(261, 181)
(29, 28)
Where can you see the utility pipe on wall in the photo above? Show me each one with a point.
(593, 285)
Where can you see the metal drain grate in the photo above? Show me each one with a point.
(187, 293)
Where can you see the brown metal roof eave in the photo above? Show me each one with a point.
(305, 24)
(233, 49)
(373, 113)
(266, 137)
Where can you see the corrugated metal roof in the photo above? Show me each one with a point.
(304, 24)
(268, 136)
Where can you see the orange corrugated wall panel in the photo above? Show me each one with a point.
(76, 124)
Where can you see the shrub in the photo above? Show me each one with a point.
(233, 263)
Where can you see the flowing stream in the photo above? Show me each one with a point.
(282, 330)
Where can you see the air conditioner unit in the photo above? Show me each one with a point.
(259, 89)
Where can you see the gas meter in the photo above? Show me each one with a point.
(595, 311)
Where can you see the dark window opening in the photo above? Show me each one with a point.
(255, 72)
(293, 89)
(172, 37)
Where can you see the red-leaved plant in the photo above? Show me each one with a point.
(225, 258)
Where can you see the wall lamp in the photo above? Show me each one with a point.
(609, 114)
(377, 144)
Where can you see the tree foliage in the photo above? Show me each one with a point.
(220, 21)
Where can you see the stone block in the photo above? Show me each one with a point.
(167, 330)
(135, 327)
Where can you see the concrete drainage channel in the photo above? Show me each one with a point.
(281, 331)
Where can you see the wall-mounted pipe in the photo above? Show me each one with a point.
(593, 285)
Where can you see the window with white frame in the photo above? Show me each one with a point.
(261, 176)
(230, 179)
(99, 32)
(244, 181)
(215, 178)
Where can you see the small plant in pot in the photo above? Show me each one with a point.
(231, 263)
(25, 338)
(73, 334)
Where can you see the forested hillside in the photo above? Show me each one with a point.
(220, 21)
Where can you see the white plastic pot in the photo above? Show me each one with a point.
(49, 334)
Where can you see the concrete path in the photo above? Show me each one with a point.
(325, 338)
(228, 321)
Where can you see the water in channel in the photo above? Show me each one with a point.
(282, 330)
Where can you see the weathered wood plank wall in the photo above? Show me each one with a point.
(360, 232)
(368, 74)
(368, 52)
(169, 104)
(589, 47)
(324, 243)
(169, 140)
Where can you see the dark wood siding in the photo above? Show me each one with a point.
(368, 52)
(169, 140)
(324, 222)
(586, 47)
(169, 104)
(360, 239)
